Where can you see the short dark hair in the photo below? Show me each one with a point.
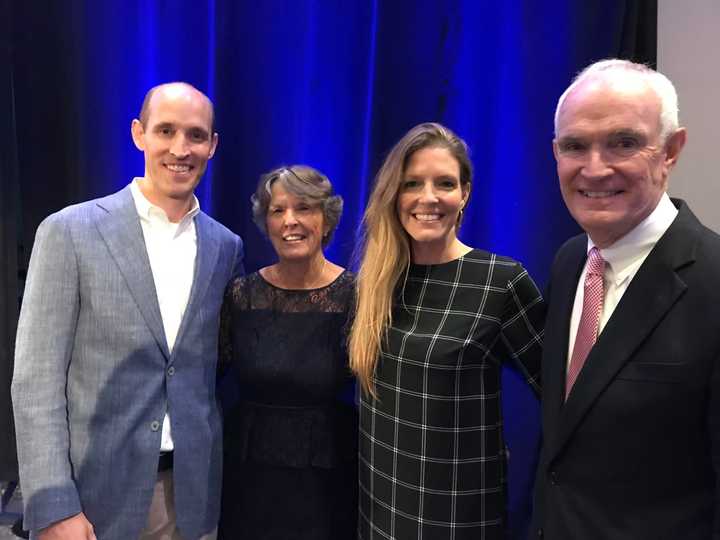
(304, 182)
(145, 108)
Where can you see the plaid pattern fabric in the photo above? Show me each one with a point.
(432, 455)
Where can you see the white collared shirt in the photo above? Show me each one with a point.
(172, 249)
(623, 259)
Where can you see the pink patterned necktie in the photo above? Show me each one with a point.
(590, 318)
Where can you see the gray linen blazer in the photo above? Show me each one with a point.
(93, 376)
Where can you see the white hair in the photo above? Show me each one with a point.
(615, 69)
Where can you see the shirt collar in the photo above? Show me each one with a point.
(625, 255)
(146, 209)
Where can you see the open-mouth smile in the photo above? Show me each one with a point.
(293, 238)
(427, 218)
(599, 194)
(179, 168)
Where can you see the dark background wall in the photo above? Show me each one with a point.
(327, 83)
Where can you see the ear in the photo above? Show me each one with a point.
(213, 144)
(465, 188)
(138, 134)
(555, 149)
(674, 146)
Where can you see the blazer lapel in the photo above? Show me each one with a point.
(119, 226)
(561, 299)
(208, 251)
(651, 293)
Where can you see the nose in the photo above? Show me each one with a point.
(179, 146)
(596, 165)
(428, 193)
(289, 218)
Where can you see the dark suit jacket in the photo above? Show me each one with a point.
(634, 453)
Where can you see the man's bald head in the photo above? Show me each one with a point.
(147, 102)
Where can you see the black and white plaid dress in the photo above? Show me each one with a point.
(432, 455)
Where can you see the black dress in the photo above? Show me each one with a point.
(290, 441)
(432, 456)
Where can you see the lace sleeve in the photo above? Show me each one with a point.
(351, 307)
(225, 347)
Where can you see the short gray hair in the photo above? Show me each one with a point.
(304, 182)
(615, 68)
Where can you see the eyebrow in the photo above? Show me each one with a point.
(422, 176)
(622, 132)
(192, 129)
(627, 132)
(567, 139)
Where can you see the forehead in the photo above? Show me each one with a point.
(179, 105)
(597, 106)
(432, 157)
(279, 194)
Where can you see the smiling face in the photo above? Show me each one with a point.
(295, 226)
(429, 202)
(177, 142)
(612, 163)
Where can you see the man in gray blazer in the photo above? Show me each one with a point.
(118, 429)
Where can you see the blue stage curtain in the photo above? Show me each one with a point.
(330, 84)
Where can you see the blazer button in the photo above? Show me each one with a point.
(154, 425)
(540, 533)
(554, 478)
(171, 371)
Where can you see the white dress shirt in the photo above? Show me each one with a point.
(623, 259)
(172, 249)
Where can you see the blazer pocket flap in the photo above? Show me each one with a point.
(659, 372)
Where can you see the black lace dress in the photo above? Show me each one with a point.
(290, 440)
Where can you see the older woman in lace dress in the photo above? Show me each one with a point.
(290, 467)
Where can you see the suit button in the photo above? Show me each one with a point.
(554, 478)
(154, 425)
(171, 371)
(539, 533)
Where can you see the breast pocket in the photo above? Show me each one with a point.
(656, 372)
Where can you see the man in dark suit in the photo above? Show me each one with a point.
(118, 429)
(631, 372)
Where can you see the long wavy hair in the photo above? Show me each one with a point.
(384, 250)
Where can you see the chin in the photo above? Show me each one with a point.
(430, 237)
(294, 256)
(593, 219)
(430, 242)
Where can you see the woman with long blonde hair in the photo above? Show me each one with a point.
(435, 320)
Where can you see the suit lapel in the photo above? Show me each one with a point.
(208, 250)
(652, 292)
(562, 297)
(119, 226)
